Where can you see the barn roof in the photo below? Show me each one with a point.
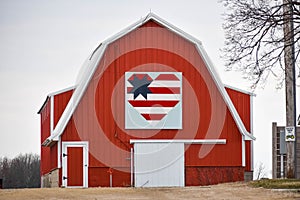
(91, 63)
(53, 94)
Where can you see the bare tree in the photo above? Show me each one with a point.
(22, 171)
(260, 171)
(263, 38)
(254, 37)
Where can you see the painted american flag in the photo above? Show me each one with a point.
(153, 100)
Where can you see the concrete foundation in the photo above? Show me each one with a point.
(51, 179)
(248, 176)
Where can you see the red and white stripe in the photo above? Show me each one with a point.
(166, 94)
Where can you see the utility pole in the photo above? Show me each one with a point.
(290, 86)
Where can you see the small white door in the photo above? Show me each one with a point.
(75, 164)
(159, 164)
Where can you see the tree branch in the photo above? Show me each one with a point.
(254, 39)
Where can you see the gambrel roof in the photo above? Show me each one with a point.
(91, 64)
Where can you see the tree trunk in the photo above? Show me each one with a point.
(289, 83)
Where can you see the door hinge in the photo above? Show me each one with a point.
(64, 177)
(64, 154)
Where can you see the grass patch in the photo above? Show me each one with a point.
(277, 183)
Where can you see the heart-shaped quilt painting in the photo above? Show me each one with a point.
(153, 100)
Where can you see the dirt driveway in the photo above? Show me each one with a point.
(221, 191)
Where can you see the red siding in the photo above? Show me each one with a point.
(248, 156)
(49, 154)
(220, 155)
(99, 176)
(152, 23)
(195, 176)
(45, 132)
(70, 133)
(53, 156)
(241, 102)
(60, 102)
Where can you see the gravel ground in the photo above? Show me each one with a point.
(237, 190)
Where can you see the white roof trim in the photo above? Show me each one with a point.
(53, 94)
(61, 91)
(92, 63)
(224, 93)
(90, 66)
(157, 19)
(239, 90)
(195, 141)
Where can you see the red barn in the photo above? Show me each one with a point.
(149, 111)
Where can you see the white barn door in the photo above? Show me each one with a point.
(159, 164)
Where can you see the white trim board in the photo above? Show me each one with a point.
(252, 131)
(196, 141)
(51, 114)
(62, 91)
(243, 152)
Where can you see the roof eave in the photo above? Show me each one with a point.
(248, 136)
(240, 90)
(46, 143)
(43, 106)
(49, 141)
(53, 94)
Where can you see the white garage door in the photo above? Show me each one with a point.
(159, 164)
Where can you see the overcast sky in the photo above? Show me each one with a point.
(43, 44)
